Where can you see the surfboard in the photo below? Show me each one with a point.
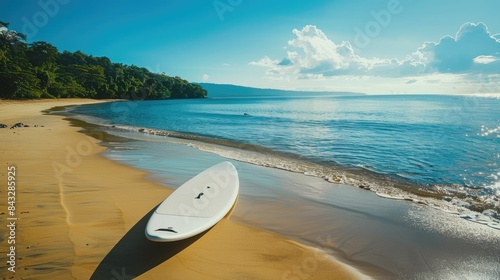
(195, 206)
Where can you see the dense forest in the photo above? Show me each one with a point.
(39, 70)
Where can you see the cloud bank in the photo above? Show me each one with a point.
(473, 50)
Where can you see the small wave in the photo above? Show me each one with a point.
(495, 187)
(482, 95)
(382, 184)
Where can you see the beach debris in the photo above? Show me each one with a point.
(3, 125)
(17, 125)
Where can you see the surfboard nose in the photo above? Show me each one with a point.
(229, 167)
(195, 206)
(224, 170)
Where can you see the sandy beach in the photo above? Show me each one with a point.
(81, 215)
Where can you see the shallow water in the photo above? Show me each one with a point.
(434, 145)
(450, 143)
(382, 237)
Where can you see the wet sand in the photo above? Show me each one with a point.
(81, 215)
(385, 238)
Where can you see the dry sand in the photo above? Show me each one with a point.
(89, 219)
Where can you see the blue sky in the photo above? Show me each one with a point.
(373, 46)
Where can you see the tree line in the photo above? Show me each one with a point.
(39, 70)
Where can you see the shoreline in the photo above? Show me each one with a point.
(386, 238)
(79, 221)
(378, 236)
(381, 185)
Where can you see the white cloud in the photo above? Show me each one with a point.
(265, 62)
(311, 55)
(457, 54)
(485, 59)
(205, 77)
(314, 55)
(319, 51)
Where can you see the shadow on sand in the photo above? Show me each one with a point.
(134, 254)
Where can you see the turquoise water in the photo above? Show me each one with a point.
(423, 141)
(420, 141)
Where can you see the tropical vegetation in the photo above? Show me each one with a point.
(40, 70)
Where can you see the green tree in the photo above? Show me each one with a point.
(39, 70)
(42, 54)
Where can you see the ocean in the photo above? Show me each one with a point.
(445, 144)
(440, 143)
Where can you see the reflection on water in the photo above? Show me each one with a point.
(386, 238)
(449, 143)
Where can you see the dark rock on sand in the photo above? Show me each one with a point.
(17, 125)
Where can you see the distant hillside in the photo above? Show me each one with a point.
(225, 90)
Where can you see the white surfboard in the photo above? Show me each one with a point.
(195, 206)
